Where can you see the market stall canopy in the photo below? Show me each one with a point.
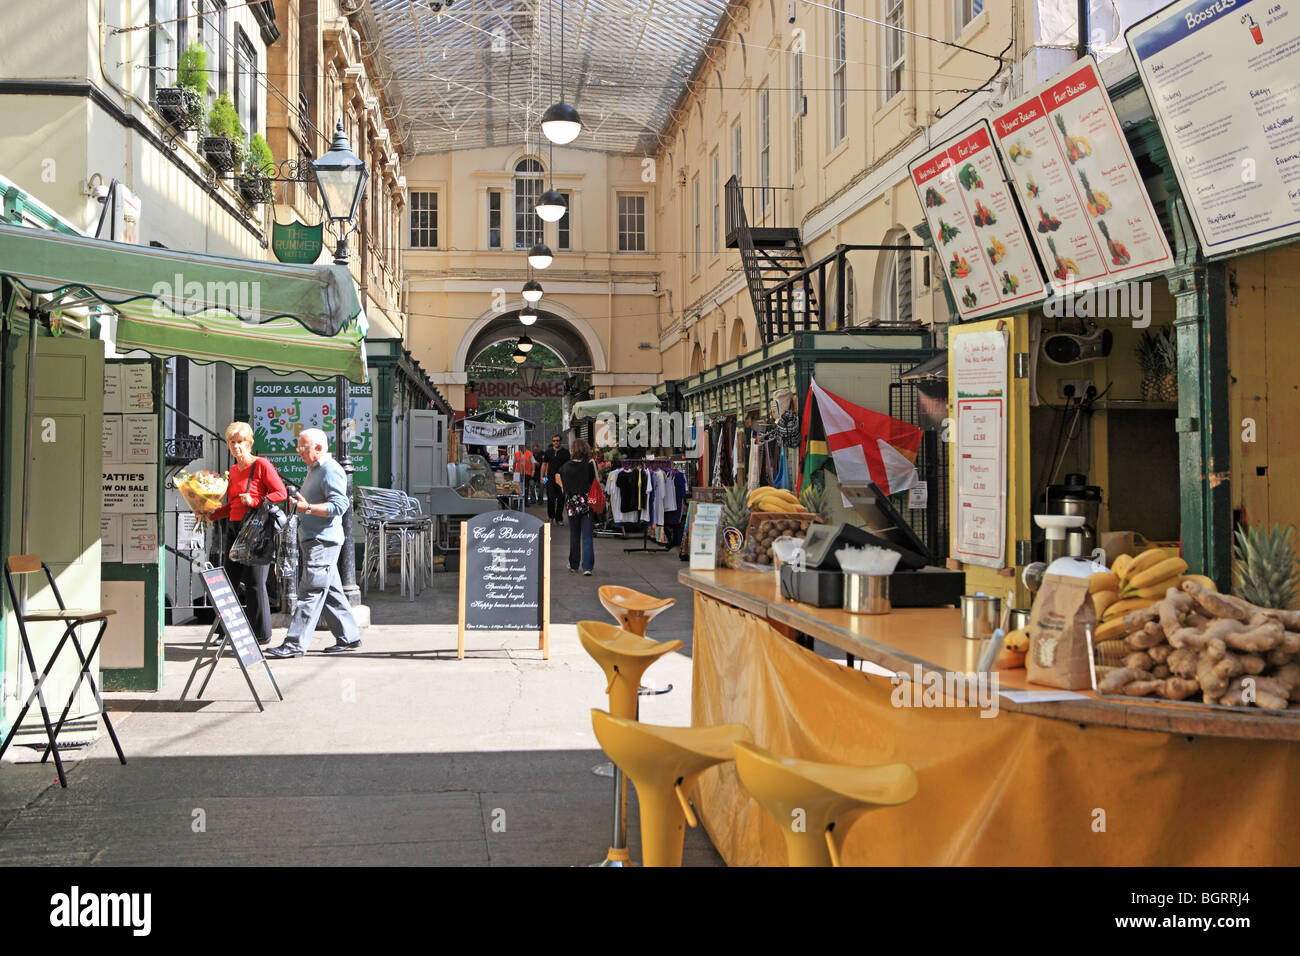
(932, 369)
(493, 428)
(284, 318)
(595, 407)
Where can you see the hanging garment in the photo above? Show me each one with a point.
(752, 471)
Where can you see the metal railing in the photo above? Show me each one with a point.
(748, 206)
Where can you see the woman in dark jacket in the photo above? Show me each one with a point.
(251, 480)
(575, 478)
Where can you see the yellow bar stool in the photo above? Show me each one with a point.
(664, 763)
(623, 657)
(815, 804)
(633, 610)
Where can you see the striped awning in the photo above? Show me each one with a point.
(247, 313)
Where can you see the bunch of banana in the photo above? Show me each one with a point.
(767, 498)
(1133, 583)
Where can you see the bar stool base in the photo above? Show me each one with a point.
(616, 857)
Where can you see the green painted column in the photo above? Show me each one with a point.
(382, 397)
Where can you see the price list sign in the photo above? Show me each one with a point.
(979, 361)
(503, 581)
(988, 259)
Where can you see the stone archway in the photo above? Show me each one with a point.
(569, 336)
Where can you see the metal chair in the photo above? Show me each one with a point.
(22, 564)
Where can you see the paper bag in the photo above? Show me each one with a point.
(1058, 644)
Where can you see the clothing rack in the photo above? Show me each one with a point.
(653, 464)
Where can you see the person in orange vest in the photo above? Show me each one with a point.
(524, 468)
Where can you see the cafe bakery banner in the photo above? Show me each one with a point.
(1088, 210)
(283, 409)
(988, 259)
(1223, 78)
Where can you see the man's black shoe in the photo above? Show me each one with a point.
(342, 646)
(284, 651)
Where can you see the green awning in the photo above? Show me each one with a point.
(595, 407)
(247, 313)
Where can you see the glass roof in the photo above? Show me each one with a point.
(481, 72)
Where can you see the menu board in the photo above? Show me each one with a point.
(1083, 196)
(503, 572)
(987, 257)
(1224, 83)
(979, 368)
(233, 618)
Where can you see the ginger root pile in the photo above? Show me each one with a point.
(1197, 641)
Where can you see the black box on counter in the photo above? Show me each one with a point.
(925, 587)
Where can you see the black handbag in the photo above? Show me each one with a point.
(259, 532)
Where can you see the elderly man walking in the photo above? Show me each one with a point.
(323, 504)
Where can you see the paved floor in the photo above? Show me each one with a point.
(397, 754)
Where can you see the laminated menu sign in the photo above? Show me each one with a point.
(1223, 79)
(129, 490)
(1083, 196)
(987, 257)
(979, 363)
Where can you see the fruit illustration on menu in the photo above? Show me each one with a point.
(1098, 202)
(933, 197)
(969, 177)
(1019, 152)
(1009, 283)
(1064, 266)
(959, 267)
(997, 251)
(946, 232)
(1031, 187)
(1047, 223)
(1119, 256)
(969, 299)
(1076, 147)
(983, 215)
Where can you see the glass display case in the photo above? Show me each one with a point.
(472, 477)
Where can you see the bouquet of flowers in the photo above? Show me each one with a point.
(203, 491)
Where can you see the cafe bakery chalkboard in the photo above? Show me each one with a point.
(504, 557)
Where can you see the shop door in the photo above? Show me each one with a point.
(989, 489)
(68, 405)
(426, 454)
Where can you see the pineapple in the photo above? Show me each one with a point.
(813, 500)
(1151, 364)
(735, 514)
(1265, 568)
(1167, 347)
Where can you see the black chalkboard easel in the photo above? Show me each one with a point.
(232, 624)
(505, 557)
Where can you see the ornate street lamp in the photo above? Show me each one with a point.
(529, 371)
(341, 176)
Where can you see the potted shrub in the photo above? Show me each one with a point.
(254, 183)
(223, 146)
(182, 105)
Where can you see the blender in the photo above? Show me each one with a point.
(1074, 497)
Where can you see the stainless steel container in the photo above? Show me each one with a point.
(980, 615)
(1019, 618)
(866, 593)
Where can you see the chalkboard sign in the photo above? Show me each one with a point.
(233, 627)
(503, 574)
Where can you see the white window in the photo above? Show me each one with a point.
(494, 218)
(797, 106)
(839, 73)
(528, 190)
(631, 223)
(424, 220)
(212, 36)
(895, 52)
(764, 152)
(563, 228)
(737, 152)
(717, 203)
(696, 221)
(896, 294)
(246, 82)
(165, 43)
(966, 10)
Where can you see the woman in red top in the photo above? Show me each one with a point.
(258, 479)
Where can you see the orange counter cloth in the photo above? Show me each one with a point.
(1014, 789)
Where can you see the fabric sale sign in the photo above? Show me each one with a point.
(988, 259)
(283, 409)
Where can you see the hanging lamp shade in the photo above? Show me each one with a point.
(551, 206)
(532, 291)
(561, 123)
(525, 344)
(341, 177)
(518, 356)
(528, 315)
(540, 256)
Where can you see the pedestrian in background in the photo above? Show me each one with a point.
(323, 504)
(251, 479)
(575, 479)
(554, 496)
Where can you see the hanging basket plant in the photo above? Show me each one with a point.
(223, 146)
(181, 106)
(254, 183)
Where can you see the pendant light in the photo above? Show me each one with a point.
(528, 315)
(540, 256)
(519, 357)
(532, 291)
(561, 123)
(525, 344)
(550, 208)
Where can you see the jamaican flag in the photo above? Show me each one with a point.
(816, 453)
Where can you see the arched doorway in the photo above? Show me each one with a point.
(739, 341)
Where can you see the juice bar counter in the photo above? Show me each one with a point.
(1083, 782)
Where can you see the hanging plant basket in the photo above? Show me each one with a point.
(254, 189)
(179, 106)
(219, 151)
